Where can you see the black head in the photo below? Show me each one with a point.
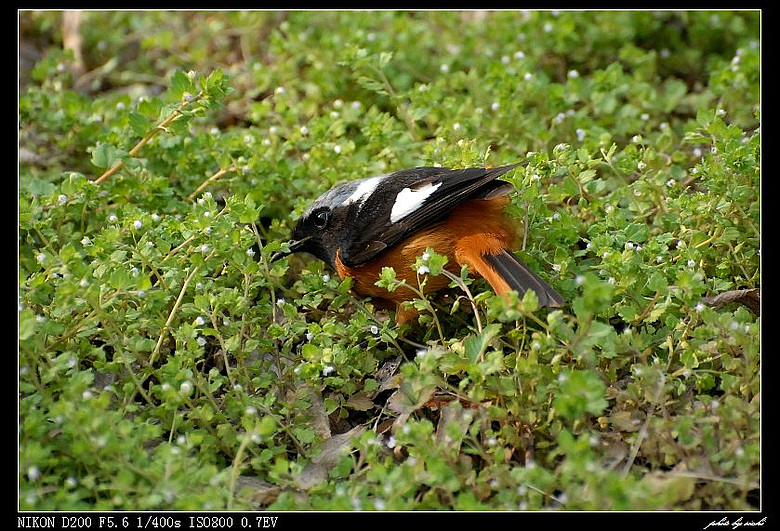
(321, 228)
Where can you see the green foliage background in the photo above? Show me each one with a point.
(164, 363)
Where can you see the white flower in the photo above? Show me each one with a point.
(580, 134)
(456, 126)
(137, 224)
(423, 270)
(40, 258)
(444, 68)
(304, 130)
(250, 252)
(519, 55)
(573, 74)
(696, 152)
(691, 263)
(328, 369)
(112, 218)
(325, 277)
(337, 148)
(641, 165)
(636, 139)
(280, 90)
(645, 117)
(374, 329)
(494, 106)
(201, 341)
(505, 59)
(528, 76)
(185, 388)
(280, 302)
(205, 248)
(62, 199)
(200, 321)
(33, 473)
(84, 283)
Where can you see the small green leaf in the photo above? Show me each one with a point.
(181, 84)
(139, 123)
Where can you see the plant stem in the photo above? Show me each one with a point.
(162, 126)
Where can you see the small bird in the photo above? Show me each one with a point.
(389, 220)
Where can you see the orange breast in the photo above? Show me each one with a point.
(473, 229)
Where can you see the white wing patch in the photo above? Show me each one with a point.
(408, 200)
(364, 189)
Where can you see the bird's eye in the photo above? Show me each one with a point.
(321, 219)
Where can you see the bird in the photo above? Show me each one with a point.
(389, 220)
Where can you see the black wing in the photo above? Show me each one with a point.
(452, 187)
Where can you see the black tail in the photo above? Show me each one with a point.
(520, 278)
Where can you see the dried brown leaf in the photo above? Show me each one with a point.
(331, 451)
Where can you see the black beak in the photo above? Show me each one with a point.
(294, 245)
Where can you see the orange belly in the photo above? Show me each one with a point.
(471, 230)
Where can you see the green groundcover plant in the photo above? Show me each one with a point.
(165, 363)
